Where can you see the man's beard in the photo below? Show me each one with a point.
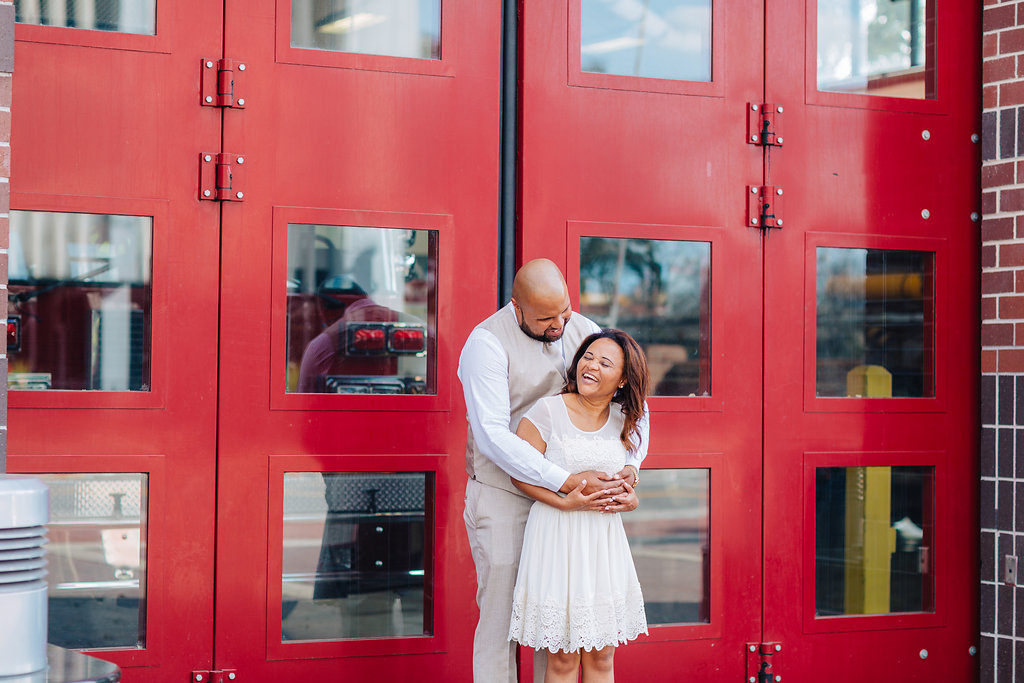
(538, 337)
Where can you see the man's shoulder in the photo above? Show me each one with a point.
(491, 327)
(483, 346)
(498, 321)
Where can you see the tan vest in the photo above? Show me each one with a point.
(535, 370)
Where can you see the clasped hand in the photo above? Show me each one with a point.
(601, 492)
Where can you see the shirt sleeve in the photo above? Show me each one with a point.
(483, 371)
(636, 457)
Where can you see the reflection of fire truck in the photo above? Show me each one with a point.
(73, 334)
(343, 342)
(97, 557)
(358, 306)
(79, 301)
(354, 542)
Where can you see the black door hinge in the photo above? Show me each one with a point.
(764, 206)
(764, 124)
(764, 663)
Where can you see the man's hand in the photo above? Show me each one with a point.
(629, 474)
(596, 481)
(623, 502)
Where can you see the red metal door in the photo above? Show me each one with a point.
(365, 234)
(633, 174)
(112, 357)
(871, 345)
(833, 394)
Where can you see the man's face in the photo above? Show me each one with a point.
(543, 320)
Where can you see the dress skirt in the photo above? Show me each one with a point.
(577, 587)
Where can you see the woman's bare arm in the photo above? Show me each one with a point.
(574, 500)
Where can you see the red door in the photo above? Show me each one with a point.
(265, 384)
(871, 344)
(354, 267)
(112, 357)
(247, 410)
(815, 371)
(633, 184)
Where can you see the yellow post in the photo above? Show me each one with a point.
(870, 540)
(869, 381)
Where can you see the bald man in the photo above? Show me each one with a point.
(513, 358)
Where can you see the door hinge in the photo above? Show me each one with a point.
(221, 83)
(764, 206)
(764, 124)
(764, 663)
(222, 676)
(221, 176)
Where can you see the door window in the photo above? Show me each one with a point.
(669, 536)
(659, 292)
(123, 16)
(96, 559)
(356, 555)
(395, 28)
(875, 309)
(654, 39)
(360, 310)
(873, 539)
(79, 301)
(877, 47)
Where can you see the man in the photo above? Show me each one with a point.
(511, 359)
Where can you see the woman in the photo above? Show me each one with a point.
(577, 594)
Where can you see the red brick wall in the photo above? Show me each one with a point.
(1002, 338)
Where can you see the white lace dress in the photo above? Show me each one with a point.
(577, 587)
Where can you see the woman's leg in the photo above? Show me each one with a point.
(599, 665)
(563, 667)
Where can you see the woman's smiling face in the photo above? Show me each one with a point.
(599, 372)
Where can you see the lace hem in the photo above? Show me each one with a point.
(551, 627)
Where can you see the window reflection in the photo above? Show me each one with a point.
(355, 555)
(396, 28)
(873, 539)
(360, 310)
(877, 47)
(670, 540)
(97, 560)
(653, 39)
(874, 323)
(659, 292)
(124, 16)
(79, 301)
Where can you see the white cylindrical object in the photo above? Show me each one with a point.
(24, 511)
(23, 639)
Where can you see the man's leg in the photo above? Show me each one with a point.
(495, 521)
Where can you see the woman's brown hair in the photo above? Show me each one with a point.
(634, 375)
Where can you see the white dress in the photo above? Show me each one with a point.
(577, 587)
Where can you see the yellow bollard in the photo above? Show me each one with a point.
(869, 381)
(870, 539)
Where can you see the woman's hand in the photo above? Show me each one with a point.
(578, 500)
(623, 502)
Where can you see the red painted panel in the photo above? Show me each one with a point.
(340, 139)
(861, 171)
(858, 171)
(111, 123)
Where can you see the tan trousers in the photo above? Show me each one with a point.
(495, 522)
